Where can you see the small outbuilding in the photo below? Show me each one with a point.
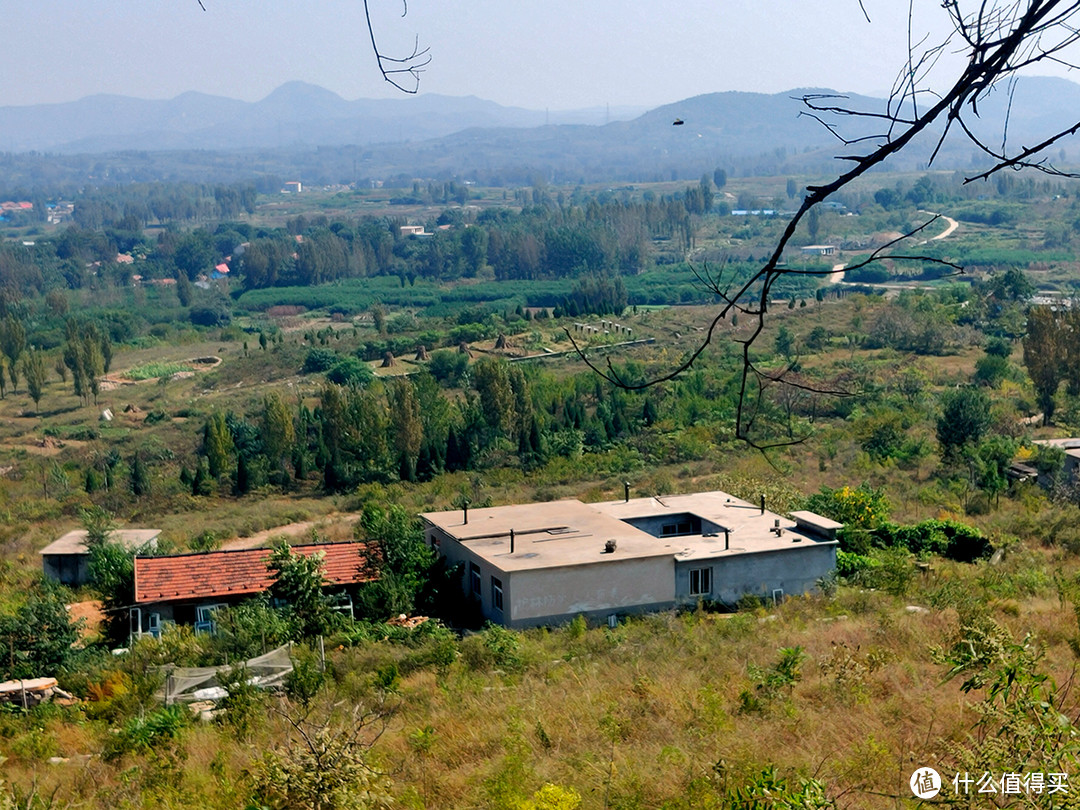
(67, 559)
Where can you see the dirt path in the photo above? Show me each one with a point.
(837, 274)
(336, 526)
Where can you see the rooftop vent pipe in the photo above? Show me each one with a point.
(511, 541)
(626, 491)
(763, 504)
(609, 547)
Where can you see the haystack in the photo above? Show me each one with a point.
(388, 360)
(463, 348)
(421, 352)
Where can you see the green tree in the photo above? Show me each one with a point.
(185, 290)
(202, 483)
(12, 344)
(218, 445)
(38, 636)
(785, 342)
(407, 573)
(34, 373)
(98, 524)
(298, 581)
(965, 417)
(491, 378)
(279, 435)
(140, 477)
(1044, 357)
(406, 425)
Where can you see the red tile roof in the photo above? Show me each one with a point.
(180, 577)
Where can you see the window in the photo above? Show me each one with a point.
(676, 529)
(204, 618)
(700, 581)
(496, 594)
(474, 579)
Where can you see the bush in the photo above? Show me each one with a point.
(946, 538)
(350, 371)
(449, 367)
(496, 647)
(319, 360)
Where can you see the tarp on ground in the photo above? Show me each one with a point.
(188, 684)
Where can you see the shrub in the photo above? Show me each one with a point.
(350, 371)
(319, 360)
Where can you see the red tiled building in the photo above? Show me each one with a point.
(187, 588)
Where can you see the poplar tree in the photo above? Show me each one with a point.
(34, 372)
(1044, 357)
(12, 343)
(406, 425)
(278, 432)
(217, 444)
(140, 477)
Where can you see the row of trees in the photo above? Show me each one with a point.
(410, 429)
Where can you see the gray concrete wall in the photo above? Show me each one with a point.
(550, 595)
(458, 554)
(794, 571)
(67, 569)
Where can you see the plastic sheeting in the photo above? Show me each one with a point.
(188, 684)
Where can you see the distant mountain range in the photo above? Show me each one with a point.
(305, 131)
(296, 114)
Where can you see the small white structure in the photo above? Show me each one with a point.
(819, 250)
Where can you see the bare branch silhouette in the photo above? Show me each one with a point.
(401, 71)
(997, 38)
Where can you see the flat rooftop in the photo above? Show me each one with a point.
(565, 533)
(74, 542)
(1070, 446)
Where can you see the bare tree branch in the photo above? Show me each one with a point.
(395, 69)
(998, 38)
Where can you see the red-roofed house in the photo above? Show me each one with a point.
(221, 271)
(187, 588)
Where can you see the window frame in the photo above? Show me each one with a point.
(703, 576)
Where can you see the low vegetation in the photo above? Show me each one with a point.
(372, 376)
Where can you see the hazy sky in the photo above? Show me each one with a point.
(555, 54)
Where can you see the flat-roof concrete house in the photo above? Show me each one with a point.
(188, 588)
(819, 250)
(67, 559)
(545, 563)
